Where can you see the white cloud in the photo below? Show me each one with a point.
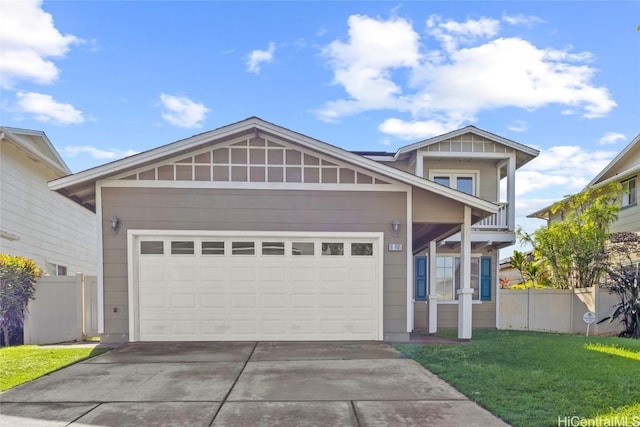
(183, 112)
(47, 109)
(518, 126)
(258, 57)
(97, 153)
(612, 138)
(568, 167)
(29, 41)
(416, 129)
(520, 19)
(383, 65)
(451, 34)
(363, 65)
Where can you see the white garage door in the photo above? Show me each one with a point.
(325, 287)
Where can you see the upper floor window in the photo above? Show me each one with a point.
(629, 192)
(461, 181)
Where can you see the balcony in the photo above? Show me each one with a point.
(497, 221)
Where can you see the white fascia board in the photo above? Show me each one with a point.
(540, 213)
(59, 166)
(613, 162)
(303, 140)
(165, 150)
(385, 170)
(480, 132)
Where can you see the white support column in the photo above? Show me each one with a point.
(420, 164)
(409, 233)
(100, 276)
(465, 293)
(433, 294)
(511, 192)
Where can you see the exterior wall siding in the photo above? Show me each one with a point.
(487, 173)
(255, 210)
(628, 219)
(50, 227)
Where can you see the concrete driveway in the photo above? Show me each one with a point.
(243, 384)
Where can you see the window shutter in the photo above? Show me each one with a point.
(485, 278)
(421, 278)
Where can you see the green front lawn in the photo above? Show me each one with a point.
(531, 379)
(24, 363)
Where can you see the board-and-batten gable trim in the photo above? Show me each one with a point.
(468, 129)
(286, 145)
(247, 125)
(245, 185)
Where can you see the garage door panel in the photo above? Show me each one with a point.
(213, 300)
(183, 300)
(270, 274)
(246, 273)
(153, 271)
(182, 273)
(275, 296)
(332, 274)
(244, 327)
(306, 273)
(303, 301)
(278, 300)
(211, 274)
(243, 301)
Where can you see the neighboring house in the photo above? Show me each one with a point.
(35, 222)
(509, 273)
(623, 169)
(256, 232)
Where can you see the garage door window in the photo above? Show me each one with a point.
(302, 248)
(362, 249)
(182, 248)
(332, 248)
(272, 248)
(212, 248)
(243, 248)
(151, 248)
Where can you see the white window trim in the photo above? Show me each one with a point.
(626, 196)
(56, 264)
(455, 301)
(453, 175)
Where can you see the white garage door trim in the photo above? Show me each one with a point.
(134, 237)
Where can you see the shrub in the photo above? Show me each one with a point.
(624, 281)
(17, 279)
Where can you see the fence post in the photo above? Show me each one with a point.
(82, 305)
(529, 320)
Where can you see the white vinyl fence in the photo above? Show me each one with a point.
(65, 308)
(557, 310)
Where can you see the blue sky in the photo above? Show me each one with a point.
(107, 79)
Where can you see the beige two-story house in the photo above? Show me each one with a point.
(623, 169)
(253, 231)
(475, 162)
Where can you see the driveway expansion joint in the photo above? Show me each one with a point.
(234, 383)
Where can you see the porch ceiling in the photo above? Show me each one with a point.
(423, 233)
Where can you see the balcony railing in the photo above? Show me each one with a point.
(497, 221)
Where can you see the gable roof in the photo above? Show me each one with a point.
(80, 187)
(37, 144)
(606, 176)
(526, 153)
(609, 170)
